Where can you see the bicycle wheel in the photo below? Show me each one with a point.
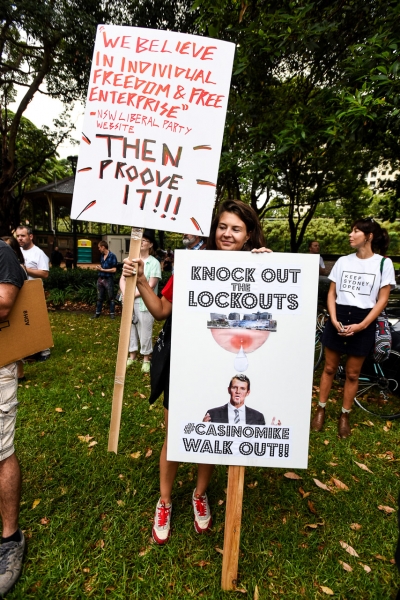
(379, 387)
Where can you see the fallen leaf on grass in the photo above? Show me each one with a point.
(303, 493)
(152, 430)
(321, 485)
(365, 567)
(345, 566)
(326, 442)
(355, 479)
(367, 423)
(103, 394)
(36, 503)
(145, 551)
(86, 570)
(387, 509)
(99, 544)
(241, 590)
(219, 550)
(45, 521)
(142, 395)
(355, 526)
(291, 475)
(339, 484)
(69, 350)
(256, 594)
(314, 525)
(380, 557)
(348, 549)
(252, 485)
(85, 438)
(149, 452)
(220, 502)
(92, 444)
(326, 590)
(136, 454)
(59, 410)
(120, 503)
(311, 507)
(363, 467)
(332, 464)
(202, 563)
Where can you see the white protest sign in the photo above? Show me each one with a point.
(153, 129)
(242, 358)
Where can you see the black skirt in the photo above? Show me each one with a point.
(359, 344)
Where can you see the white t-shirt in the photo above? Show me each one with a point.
(358, 281)
(35, 258)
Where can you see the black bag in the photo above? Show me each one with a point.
(159, 372)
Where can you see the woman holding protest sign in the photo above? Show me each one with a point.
(236, 227)
(358, 293)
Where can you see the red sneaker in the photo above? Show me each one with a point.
(202, 514)
(162, 523)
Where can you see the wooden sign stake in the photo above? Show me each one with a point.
(123, 345)
(233, 519)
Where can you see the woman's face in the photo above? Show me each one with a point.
(231, 233)
(358, 238)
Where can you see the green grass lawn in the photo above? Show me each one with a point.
(87, 513)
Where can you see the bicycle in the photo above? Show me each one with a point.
(379, 383)
(322, 317)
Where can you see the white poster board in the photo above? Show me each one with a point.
(252, 315)
(153, 129)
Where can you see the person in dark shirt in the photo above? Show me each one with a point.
(56, 258)
(105, 282)
(69, 259)
(12, 278)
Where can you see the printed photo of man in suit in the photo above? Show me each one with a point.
(235, 412)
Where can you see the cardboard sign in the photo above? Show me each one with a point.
(27, 329)
(242, 358)
(153, 129)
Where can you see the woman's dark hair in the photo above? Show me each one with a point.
(246, 214)
(380, 239)
(11, 241)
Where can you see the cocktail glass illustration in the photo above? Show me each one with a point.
(241, 336)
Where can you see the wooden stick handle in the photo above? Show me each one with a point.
(233, 519)
(123, 346)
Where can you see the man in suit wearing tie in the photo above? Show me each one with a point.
(235, 412)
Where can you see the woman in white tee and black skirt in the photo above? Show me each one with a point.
(359, 291)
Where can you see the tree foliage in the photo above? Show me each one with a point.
(304, 115)
(46, 47)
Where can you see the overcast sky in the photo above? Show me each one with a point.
(43, 109)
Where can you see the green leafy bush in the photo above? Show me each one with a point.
(78, 285)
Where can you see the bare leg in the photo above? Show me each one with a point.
(10, 494)
(20, 369)
(353, 369)
(332, 360)
(204, 473)
(146, 358)
(168, 468)
(132, 355)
